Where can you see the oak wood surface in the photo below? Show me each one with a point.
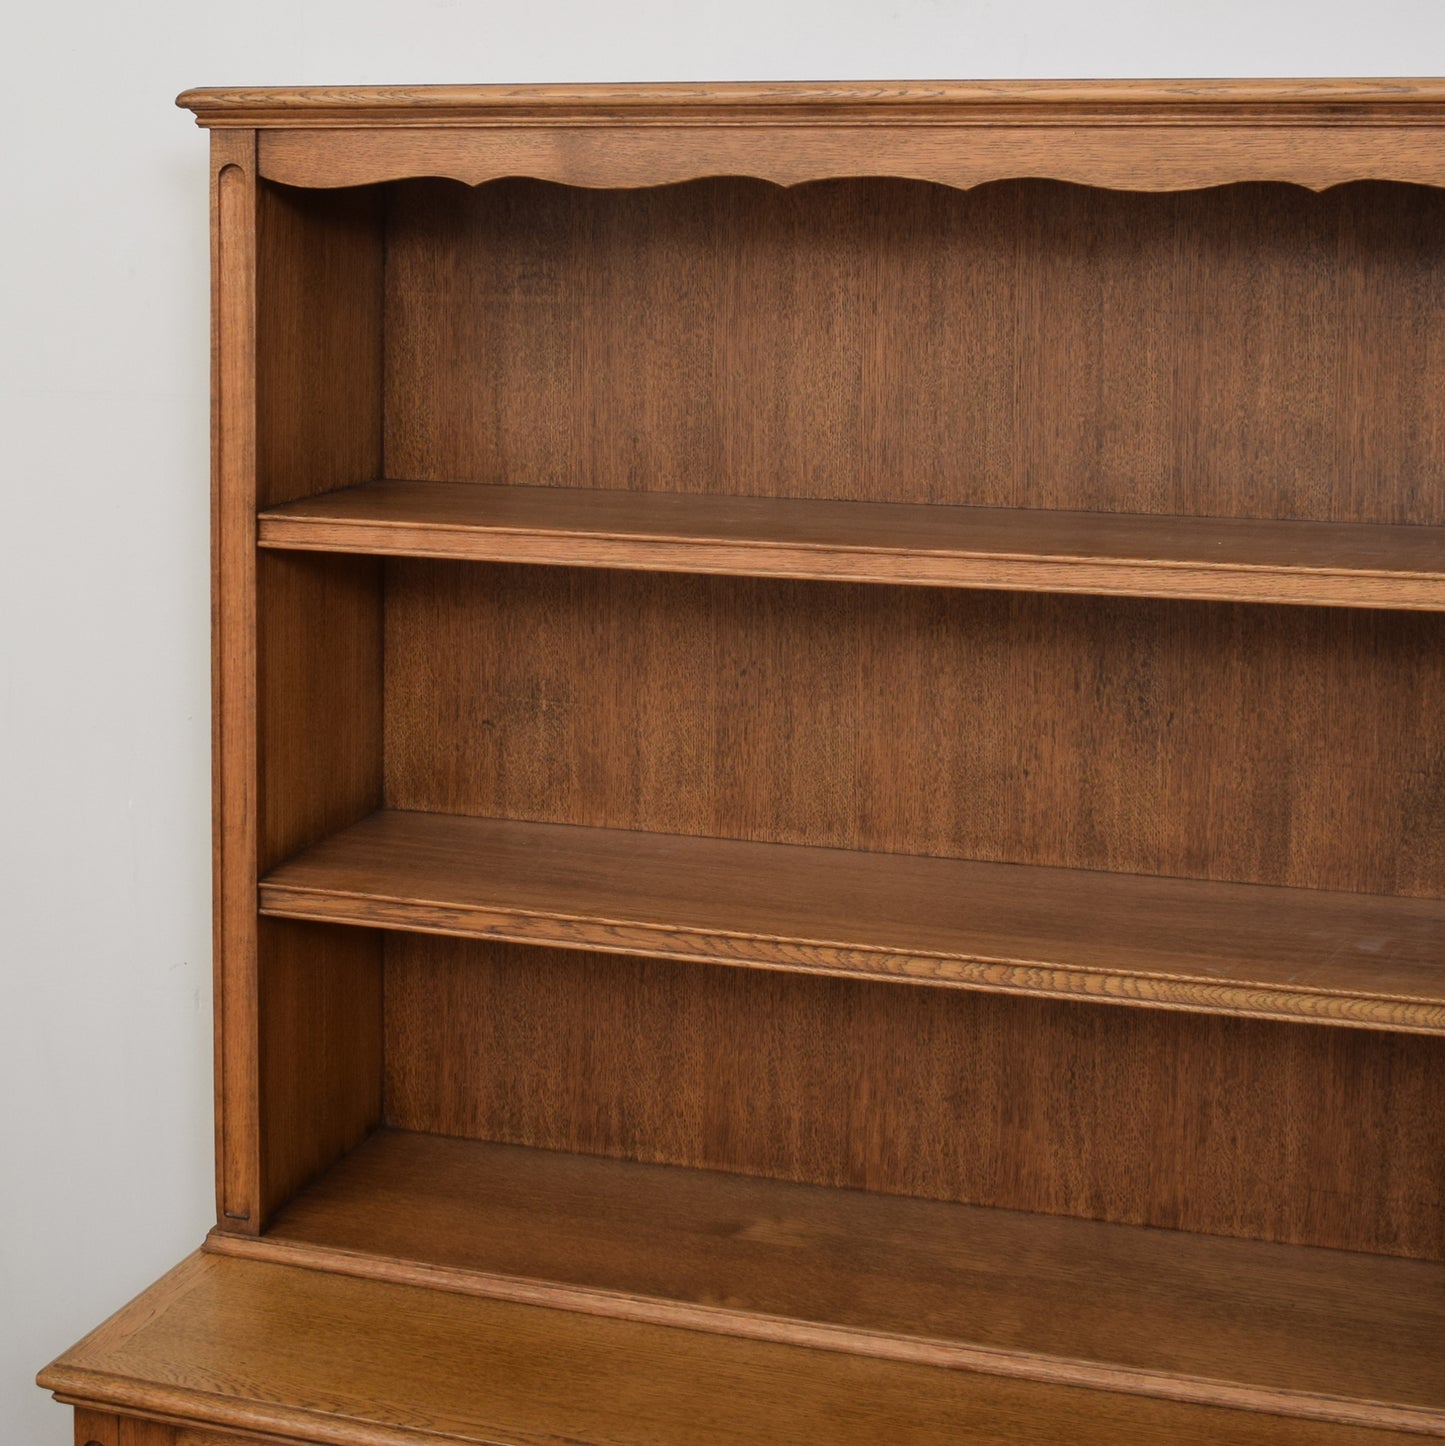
(319, 350)
(1252, 351)
(297, 655)
(94, 1428)
(235, 784)
(309, 1356)
(962, 154)
(1284, 954)
(1167, 337)
(1025, 549)
(318, 661)
(888, 101)
(1225, 1126)
(320, 1049)
(1134, 134)
(1298, 1331)
(139, 1432)
(1293, 746)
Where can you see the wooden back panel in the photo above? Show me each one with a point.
(1260, 744)
(1248, 351)
(1284, 1132)
(1253, 350)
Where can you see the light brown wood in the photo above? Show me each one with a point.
(1313, 1333)
(1239, 352)
(319, 341)
(1218, 1125)
(320, 1052)
(1140, 134)
(317, 671)
(963, 154)
(1341, 564)
(739, 102)
(1219, 948)
(135, 1432)
(296, 668)
(1290, 746)
(1126, 400)
(307, 1355)
(92, 1428)
(233, 676)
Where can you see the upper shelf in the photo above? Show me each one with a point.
(1128, 135)
(1298, 954)
(1221, 559)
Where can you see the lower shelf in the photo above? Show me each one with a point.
(1320, 1335)
(292, 1355)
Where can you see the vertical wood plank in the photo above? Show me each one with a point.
(134, 1432)
(1293, 746)
(1246, 1128)
(235, 783)
(95, 1428)
(318, 660)
(1245, 351)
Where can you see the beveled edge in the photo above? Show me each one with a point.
(1318, 99)
(1017, 1363)
(88, 1376)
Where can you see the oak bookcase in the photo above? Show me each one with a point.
(969, 559)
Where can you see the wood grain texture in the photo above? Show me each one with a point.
(1218, 948)
(961, 154)
(319, 341)
(318, 662)
(236, 806)
(1223, 379)
(319, 769)
(135, 1432)
(1320, 1334)
(1248, 352)
(1284, 746)
(320, 1049)
(1031, 550)
(887, 102)
(309, 1356)
(94, 1428)
(1222, 1126)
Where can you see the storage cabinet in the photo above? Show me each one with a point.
(830, 752)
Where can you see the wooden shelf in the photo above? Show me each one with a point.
(1229, 559)
(1319, 1334)
(310, 1356)
(1352, 959)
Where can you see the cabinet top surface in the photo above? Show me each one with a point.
(885, 101)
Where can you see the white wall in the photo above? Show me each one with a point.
(105, 1085)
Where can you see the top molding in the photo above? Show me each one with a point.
(1148, 135)
(884, 102)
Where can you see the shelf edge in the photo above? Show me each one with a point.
(785, 1330)
(1157, 578)
(1394, 1014)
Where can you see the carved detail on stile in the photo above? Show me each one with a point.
(234, 683)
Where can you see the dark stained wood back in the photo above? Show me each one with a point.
(1253, 350)
(1265, 745)
(1226, 1126)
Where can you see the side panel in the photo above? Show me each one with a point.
(297, 673)
(233, 700)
